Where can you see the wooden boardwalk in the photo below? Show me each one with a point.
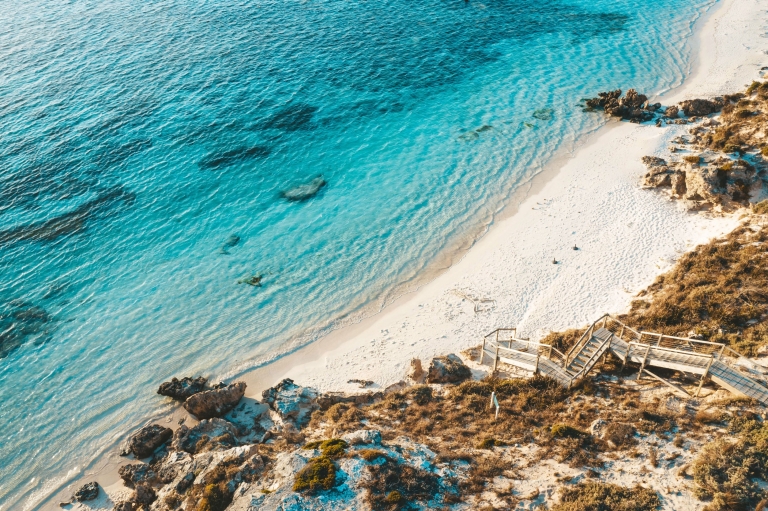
(707, 359)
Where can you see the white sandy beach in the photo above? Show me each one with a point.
(625, 235)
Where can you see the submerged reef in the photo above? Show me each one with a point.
(71, 222)
(21, 322)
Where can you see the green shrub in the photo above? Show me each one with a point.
(394, 497)
(606, 497)
(490, 443)
(318, 474)
(691, 158)
(565, 431)
(743, 113)
(761, 208)
(332, 448)
(371, 454)
(752, 88)
(764, 151)
(215, 498)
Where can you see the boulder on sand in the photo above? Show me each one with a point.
(147, 440)
(215, 403)
(416, 372)
(292, 402)
(136, 473)
(702, 107)
(448, 369)
(89, 491)
(182, 389)
(218, 432)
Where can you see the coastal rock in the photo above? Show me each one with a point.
(448, 369)
(182, 389)
(148, 439)
(292, 402)
(144, 495)
(416, 372)
(209, 434)
(215, 403)
(89, 491)
(124, 506)
(678, 184)
(672, 112)
(305, 191)
(363, 436)
(136, 473)
(232, 241)
(702, 107)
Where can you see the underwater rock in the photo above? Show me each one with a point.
(69, 223)
(227, 158)
(232, 241)
(215, 403)
(292, 118)
(254, 280)
(305, 191)
(484, 128)
(89, 491)
(20, 322)
(182, 389)
(543, 114)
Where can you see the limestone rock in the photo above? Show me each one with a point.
(597, 428)
(148, 439)
(209, 434)
(89, 491)
(701, 107)
(182, 389)
(144, 495)
(672, 112)
(416, 373)
(363, 436)
(136, 473)
(448, 369)
(678, 184)
(215, 403)
(292, 402)
(124, 506)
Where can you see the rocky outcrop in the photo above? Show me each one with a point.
(136, 473)
(363, 436)
(144, 442)
(182, 389)
(672, 112)
(215, 403)
(88, 491)
(292, 402)
(416, 373)
(633, 106)
(702, 107)
(144, 495)
(448, 369)
(209, 434)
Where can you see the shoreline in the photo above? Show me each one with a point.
(726, 57)
(435, 301)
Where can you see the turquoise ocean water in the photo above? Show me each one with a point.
(137, 137)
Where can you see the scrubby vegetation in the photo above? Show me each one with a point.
(394, 486)
(718, 292)
(318, 474)
(728, 472)
(606, 497)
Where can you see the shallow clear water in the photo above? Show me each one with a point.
(136, 138)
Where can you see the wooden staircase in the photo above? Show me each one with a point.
(707, 359)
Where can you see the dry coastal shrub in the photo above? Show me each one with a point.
(606, 497)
